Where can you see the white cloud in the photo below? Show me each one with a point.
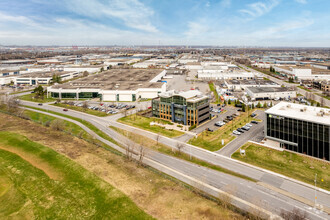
(225, 3)
(132, 13)
(5, 19)
(258, 9)
(301, 1)
(196, 29)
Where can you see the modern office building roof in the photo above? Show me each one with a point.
(267, 89)
(190, 95)
(116, 79)
(301, 112)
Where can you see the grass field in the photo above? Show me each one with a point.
(40, 183)
(147, 142)
(216, 95)
(81, 109)
(157, 194)
(144, 123)
(213, 140)
(289, 164)
(87, 124)
(30, 97)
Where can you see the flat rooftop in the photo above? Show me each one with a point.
(251, 82)
(190, 95)
(116, 79)
(315, 71)
(44, 74)
(301, 112)
(268, 89)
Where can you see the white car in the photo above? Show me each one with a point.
(236, 132)
(248, 125)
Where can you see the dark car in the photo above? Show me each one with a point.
(245, 128)
(209, 129)
(65, 109)
(253, 115)
(218, 104)
(240, 130)
(39, 103)
(254, 122)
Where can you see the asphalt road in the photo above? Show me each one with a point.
(250, 191)
(255, 131)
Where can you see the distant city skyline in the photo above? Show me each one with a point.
(268, 23)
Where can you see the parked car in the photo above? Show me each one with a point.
(219, 123)
(209, 129)
(254, 122)
(253, 115)
(65, 109)
(240, 130)
(39, 103)
(246, 128)
(236, 132)
(249, 125)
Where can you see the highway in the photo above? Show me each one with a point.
(261, 193)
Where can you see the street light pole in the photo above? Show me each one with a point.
(315, 191)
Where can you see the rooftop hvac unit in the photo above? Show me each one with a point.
(320, 114)
(302, 110)
(288, 106)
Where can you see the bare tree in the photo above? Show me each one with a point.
(322, 102)
(57, 125)
(142, 152)
(179, 147)
(85, 105)
(157, 138)
(295, 214)
(12, 104)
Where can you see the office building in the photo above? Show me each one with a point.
(300, 128)
(189, 108)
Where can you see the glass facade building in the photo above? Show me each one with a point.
(180, 109)
(299, 135)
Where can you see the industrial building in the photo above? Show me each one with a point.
(265, 93)
(44, 78)
(189, 108)
(237, 85)
(300, 128)
(113, 85)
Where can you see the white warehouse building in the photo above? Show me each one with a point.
(113, 85)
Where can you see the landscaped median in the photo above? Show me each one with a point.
(81, 109)
(212, 141)
(152, 144)
(290, 164)
(144, 123)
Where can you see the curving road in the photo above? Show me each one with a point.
(272, 191)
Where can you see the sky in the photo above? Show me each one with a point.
(286, 23)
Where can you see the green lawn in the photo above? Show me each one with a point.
(216, 95)
(68, 127)
(147, 142)
(289, 164)
(212, 141)
(87, 124)
(81, 109)
(30, 97)
(302, 87)
(144, 123)
(38, 183)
